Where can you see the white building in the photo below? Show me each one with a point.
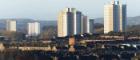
(85, 24)
(69, 22)
(11, 25)
(91, 26)
(33, 28)
(62, 24)
(115, 17)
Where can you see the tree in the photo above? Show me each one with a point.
(112, 33)
(48, 32)
(11, 35)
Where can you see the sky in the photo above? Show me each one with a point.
(49, 9)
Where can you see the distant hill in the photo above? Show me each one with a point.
(22, 22)
(130, 20)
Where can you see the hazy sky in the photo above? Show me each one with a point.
(48, 9)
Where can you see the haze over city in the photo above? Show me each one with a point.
(48, 9)
(69, 30)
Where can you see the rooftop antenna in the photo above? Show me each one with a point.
(120, 2)
(113, 2)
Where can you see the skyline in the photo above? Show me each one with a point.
(48, 10)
